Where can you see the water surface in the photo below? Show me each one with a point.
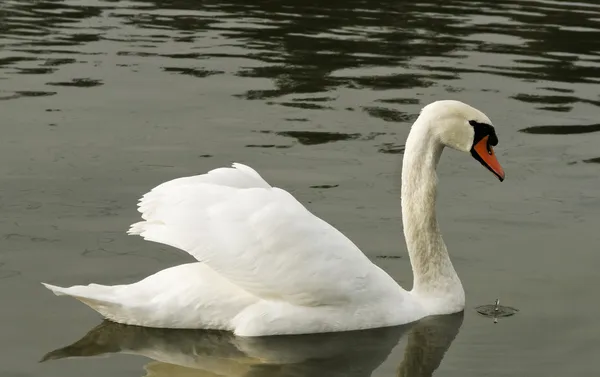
(102, 100)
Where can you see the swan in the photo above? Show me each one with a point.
(267, 266)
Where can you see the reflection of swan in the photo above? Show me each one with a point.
(181, 353)
(427, 344)
(269, 266)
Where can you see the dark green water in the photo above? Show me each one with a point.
(102, 100)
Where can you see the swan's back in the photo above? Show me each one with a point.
(258, 237)
(266, 265)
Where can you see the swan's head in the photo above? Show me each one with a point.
(464, 128)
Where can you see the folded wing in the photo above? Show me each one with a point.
(258, 237)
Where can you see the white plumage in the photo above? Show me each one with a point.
(258, 237)
(266, 265)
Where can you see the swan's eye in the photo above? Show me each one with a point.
(482, 130)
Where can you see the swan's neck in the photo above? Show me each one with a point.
(434, 275)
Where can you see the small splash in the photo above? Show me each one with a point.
(496, 310)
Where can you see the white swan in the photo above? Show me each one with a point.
(267, 266)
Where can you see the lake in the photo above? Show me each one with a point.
(102, 100)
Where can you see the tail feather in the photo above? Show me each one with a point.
(95, 292)
(97, 297)
(185, 296)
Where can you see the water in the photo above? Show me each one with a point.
(102, 100)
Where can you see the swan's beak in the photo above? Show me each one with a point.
(484, 153)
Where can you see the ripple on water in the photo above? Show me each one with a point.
(303, 64)
(562, 129)
(380, 47)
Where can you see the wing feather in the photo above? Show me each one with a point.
(259, 238)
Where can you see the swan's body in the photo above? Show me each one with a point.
(268, 266)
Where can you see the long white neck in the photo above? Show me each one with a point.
(434, 275)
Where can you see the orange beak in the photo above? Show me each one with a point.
(484, 153)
